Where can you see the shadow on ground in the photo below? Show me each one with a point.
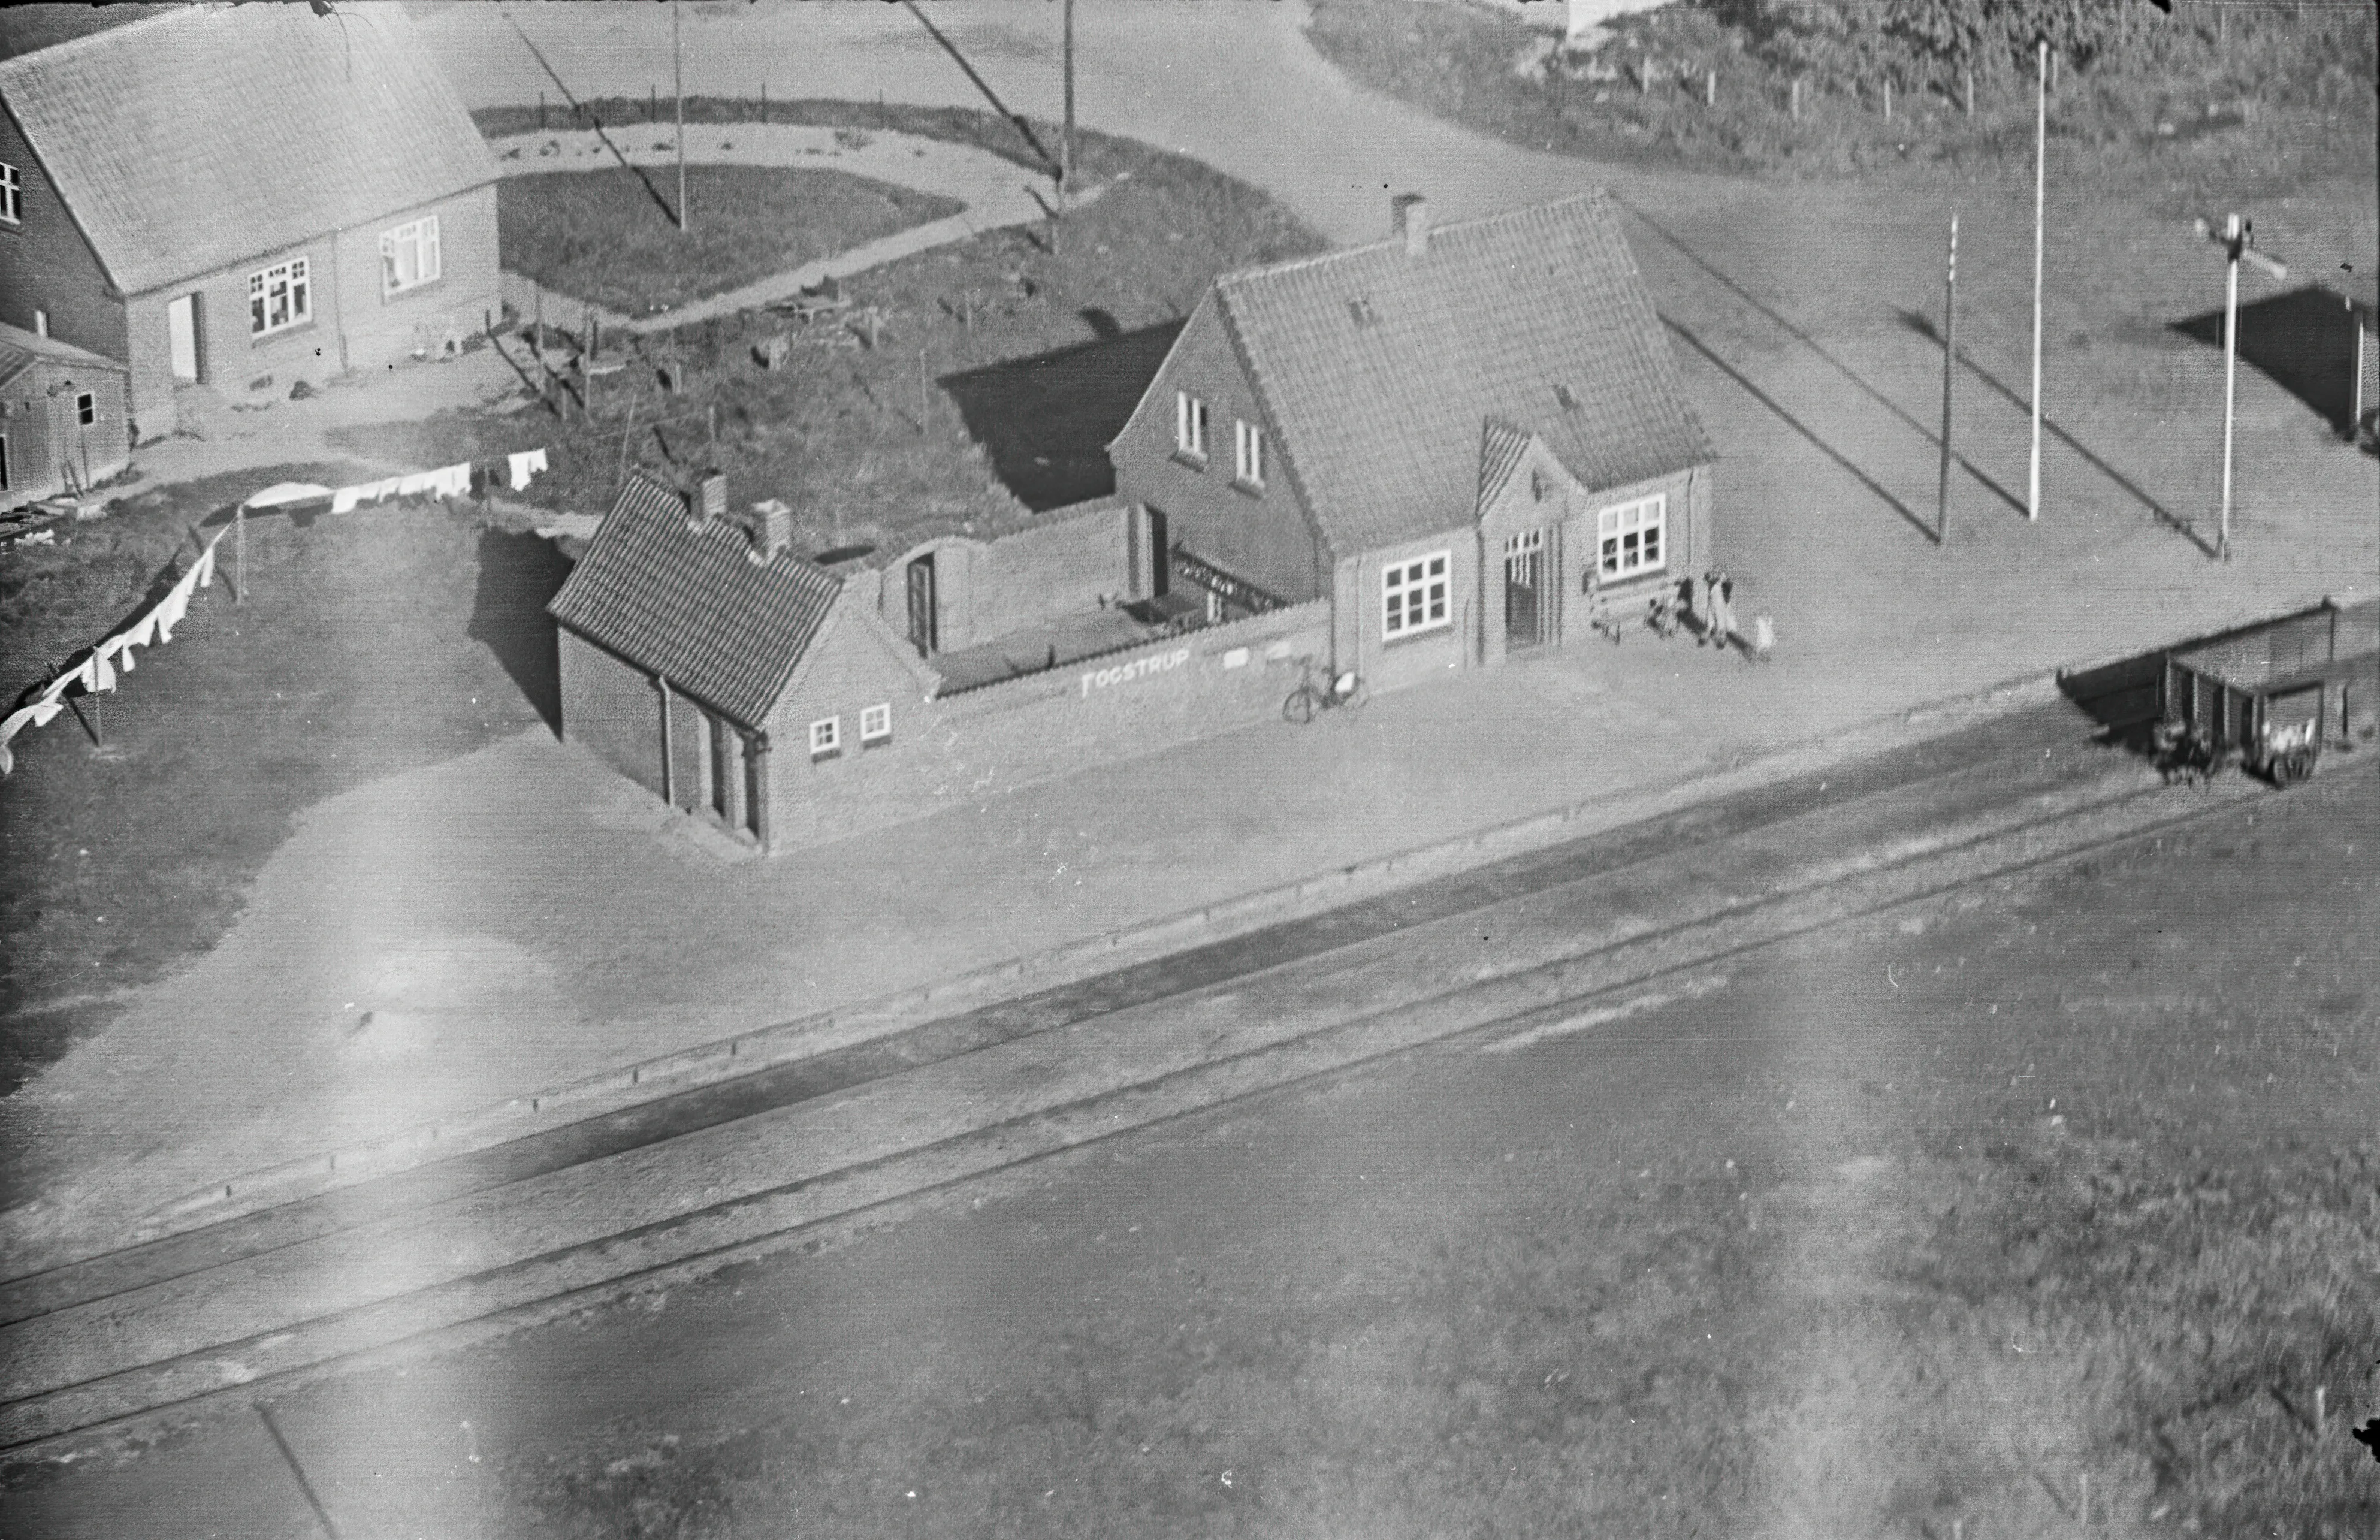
(519, 574)
(1047, 421)
(2303, 341)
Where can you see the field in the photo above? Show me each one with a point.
(604, 235)
(997, 368)
(2278, 85)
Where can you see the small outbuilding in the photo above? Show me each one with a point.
(61, 418)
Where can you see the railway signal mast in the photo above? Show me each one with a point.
(2238, 239)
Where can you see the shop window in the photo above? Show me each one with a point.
(1412, 595)
(826, 738)
(875, 725)
(1632, 534)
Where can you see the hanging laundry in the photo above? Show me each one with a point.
(204, 573)
(344, 501)
(140, 633)
(44, 710)
(416, 484)
(453, 481)
(176, 605)
(102, 674)
(524, 465)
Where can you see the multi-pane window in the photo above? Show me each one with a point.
(826, 735)
(1247, 453)
(409, 256)
(279, 297)
(1412, 595)
(12, 194)
(1630, 537)
(86, 408)
(876, 725)
(1189, 425)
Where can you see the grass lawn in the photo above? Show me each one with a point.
(1001, 371)
(603, 235)
(2272, 88)
(370, 644)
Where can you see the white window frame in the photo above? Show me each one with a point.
(1247, 453)
(1619, 538)
(826, 738)
(1189, 425)
(12, 194)
(296, 283)
(1414, 586)
(876, 725)
(86, 408)
(422, 237)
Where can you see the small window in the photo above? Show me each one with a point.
(1412, 595)
(1189, 425)
(1247, 453)
(279, 297)
(826, 736)
(86, 408)
(409, 256)
(875, 725)
(12, 194)
(1629, 537)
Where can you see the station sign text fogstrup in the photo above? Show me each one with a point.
(1139, 668)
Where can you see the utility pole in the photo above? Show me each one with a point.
(2238, 239)
(677, 83)
(1949, 373)
(2040, 184)
(1066, 151)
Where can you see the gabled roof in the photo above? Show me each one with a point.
(691, 606)
(200, 138)
(20, 349)
(1382, 369)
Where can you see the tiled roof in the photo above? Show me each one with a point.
(691, 606)
(20, 347)
(1382, 369)
(208, 136)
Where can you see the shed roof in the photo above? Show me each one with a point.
(691, 606)
(196, 140)
(20, 349)
(1382, 369)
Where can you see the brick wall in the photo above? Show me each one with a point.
(46, 266)
(379, 330)
(986, 589)
(613, 709)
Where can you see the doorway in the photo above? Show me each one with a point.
(182, 338)
(1161, 557)
(1527, 610)
(922, 629)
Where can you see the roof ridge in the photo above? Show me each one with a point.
(1340, 253)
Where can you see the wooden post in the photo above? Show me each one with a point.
(624, 435)
(652, 102)
(1710, 87)
(1970, 91)
(1887, 101)
(239, 556)
(714, 415)
(922, 403)
(1950, 374)
(540, 112)
(764, 101)
(669, 746)
(1797, 100)
(2040, 156)
(1067, 150)
(2231, 376)
(544, 386)
(875, 319)
(677, 77)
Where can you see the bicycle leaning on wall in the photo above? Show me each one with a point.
(1319, 691)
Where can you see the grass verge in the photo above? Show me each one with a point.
(598, 236)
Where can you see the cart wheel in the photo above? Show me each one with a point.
(1299, 707)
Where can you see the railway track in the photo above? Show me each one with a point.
(707, 1176)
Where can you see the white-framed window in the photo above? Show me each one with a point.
(12, 194)
(1247, 453)
(409, 256)
(1630, 537)
(86, 408)
(876, 725)
(1189, 425)
(279, 297)
(826, 736)
(1412, 595)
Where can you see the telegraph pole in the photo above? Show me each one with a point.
(2040, 184)
(1949, 373)
(2238, 239)
(677, 83)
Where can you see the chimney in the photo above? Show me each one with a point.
(708, 501)
(772, 530)
(1412, 213)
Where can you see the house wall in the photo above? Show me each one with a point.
(49, 451)
(612, 707)
(1261, 537)
(1388, 664)
(986, 589)
(1018, 732)
(45, 264)
(353, 326)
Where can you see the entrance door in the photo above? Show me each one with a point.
(1526, 608)
(921, 606)
(182, 336)
(1161, 557)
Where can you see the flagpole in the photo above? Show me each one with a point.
(2230, 376)
(2040, 184)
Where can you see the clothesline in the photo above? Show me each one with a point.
(97, 671)
(452, 480)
